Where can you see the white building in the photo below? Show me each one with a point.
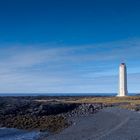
(122, 80)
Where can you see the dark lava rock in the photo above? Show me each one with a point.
(25, 113)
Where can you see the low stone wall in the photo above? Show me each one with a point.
(86, 109)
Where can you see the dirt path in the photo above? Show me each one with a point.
(108, 124)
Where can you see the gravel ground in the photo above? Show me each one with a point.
(108, 124)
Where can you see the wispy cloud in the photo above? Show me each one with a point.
(87, 68)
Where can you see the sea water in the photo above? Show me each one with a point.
(58, 94)
(62, 94)
(16, 134)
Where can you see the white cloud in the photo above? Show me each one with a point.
(89, 68)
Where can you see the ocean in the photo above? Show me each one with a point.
(58, 94)
(16, 134)
(62, 94)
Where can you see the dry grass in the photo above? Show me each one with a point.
(128, 102)
(128, 99)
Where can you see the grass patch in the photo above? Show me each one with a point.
(127, 99)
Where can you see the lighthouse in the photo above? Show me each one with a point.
(122, 80)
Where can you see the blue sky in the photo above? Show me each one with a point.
(68, 46)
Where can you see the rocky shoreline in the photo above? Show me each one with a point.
(28, 114)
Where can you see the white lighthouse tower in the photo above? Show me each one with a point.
(122, 80)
